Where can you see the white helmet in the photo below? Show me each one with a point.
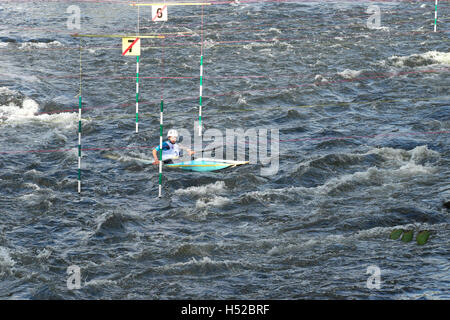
(172, 133)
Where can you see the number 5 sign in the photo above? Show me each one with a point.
(159, 13)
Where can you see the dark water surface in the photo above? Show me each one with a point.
(363, 116)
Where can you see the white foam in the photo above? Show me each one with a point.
(213, 188)
(32, 185)
(439, 57)
(292, 192)
(27, 197)
(422, 153)
(241, 100)
(250, 46)
(5, 258)
(7, 91)
(410, 169)
(66, 119)
(14, 114)
(382, 28)
(40, 45)
(207, 44)
(436, 56)
(275, 30)
(320, 79)
(364, 176)
(44, 254)
(375, 175)
(400, 163)
(214, 202)
(193, 261)
(100, 282)
(287, 248)
(417, 154)
(350, 74)
(205, 261)
(28, 78)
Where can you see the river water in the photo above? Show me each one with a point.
(363, 116)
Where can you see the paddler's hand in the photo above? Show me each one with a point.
(156, 162)
(191, 152)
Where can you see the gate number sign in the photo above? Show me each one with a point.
(131, 46)
(159, 13)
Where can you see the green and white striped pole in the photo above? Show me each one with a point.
(201, 83)
(160, 147)
(79, 144)
(79, 125)
(161, 119)
(137, 94)
(137, 75)
(200, 98)
(435, 15)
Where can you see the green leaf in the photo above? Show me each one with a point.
(408, 236)
(422, 237)
(396, 233)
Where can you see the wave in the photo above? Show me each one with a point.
(140, 159)
(207, 195)
(419, 60)
(33, 43)
(418, 155)
(382, 28)
(273, 29)
(110, 222)
(7, 40)
(213, 188)
(394, 167)
(43, 254)
(204, 261)
(216, 202)
(254, 45)
(319, 79)
(40, 44)
(15, 108)
(208, 44)
(5, 259)
(189, 250)
(373, 177)
(402, 165)
(350, 74)
(99, 283)
(285, 195)
(203, 266)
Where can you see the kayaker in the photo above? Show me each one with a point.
(170, 148)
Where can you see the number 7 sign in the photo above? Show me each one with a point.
(159, 13)
(131, 46)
